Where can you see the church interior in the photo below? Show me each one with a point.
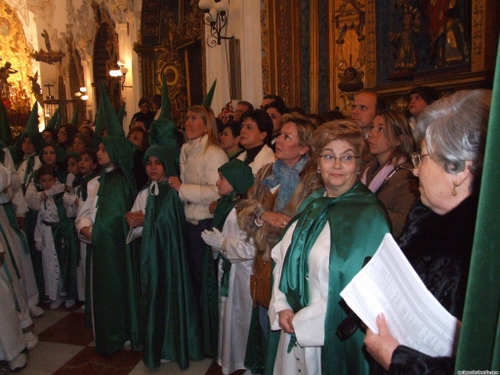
(315, 54)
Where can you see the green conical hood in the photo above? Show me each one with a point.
(60, 152)
(113, 126)
(207, 100)
(121, 114)
(121, 151)
(163, 130)
(100, 124)
(32, 125)
(166, 111)
(30, 132)
(166, 156)
(55, 119)
(74, 119)
(5, 132)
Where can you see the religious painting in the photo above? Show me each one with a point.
(416, 38)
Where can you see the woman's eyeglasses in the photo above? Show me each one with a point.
(331, 159)
(417, 158)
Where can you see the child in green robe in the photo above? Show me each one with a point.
(171, 330)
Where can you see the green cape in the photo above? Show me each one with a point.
(358, 222)
(170, 316)
(115, 268)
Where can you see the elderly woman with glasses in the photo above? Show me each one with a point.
(439, 233)
(321, 250)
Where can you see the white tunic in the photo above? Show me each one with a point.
(21, 171)
(72, 211)
(22, 257)
(14, 192)
(44, 240)
(11, 335)
(309, 322)
(86, 216)
(235, 310)
(139, 205)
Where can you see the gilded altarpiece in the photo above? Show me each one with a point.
(318, 54)
(15, 69)
(171, 45)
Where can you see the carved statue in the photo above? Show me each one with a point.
(404, 41)
(45, 35)
(5, 72)
(351, 80)
(50, 56)
(36, 89)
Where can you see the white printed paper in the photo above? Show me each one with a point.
(388, 284)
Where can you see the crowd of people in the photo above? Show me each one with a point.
(231, 237)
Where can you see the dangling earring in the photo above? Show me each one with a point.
(319, 170)
(454, 191)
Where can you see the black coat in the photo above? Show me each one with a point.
(439, 249)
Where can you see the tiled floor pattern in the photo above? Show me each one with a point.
(67, 348)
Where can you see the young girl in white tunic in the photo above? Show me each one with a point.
(235, 265)
(43, 202)
(73, 202)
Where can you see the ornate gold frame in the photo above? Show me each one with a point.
(281, 71)
(168, 56)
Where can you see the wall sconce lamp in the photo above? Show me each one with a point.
(82, 94)
(121, 71)
(216, 16)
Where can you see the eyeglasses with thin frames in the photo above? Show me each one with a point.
(417, 158)
(331, 159)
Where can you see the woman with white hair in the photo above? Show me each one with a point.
(439, 234)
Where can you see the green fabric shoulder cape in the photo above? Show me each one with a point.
(358, 222)
(115, 268)
(171, 328)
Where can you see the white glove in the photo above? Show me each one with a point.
(69, 199)
(70, 178)
(39, 245)
(214, 238)
(55, 189)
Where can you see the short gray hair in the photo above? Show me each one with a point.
(454, 129)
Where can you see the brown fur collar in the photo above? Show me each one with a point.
(260, 197)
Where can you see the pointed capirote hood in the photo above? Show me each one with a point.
(55, 120)
(207, 100)
(74, 119)
(5, 132)
(163, 130)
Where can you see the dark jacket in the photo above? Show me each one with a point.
(439, 248)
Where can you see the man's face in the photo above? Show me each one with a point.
(240, 109)
(364, 109)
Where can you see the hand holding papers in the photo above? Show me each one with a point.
(388, 284)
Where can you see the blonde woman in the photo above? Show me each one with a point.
(200, 158)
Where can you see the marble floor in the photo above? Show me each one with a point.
(67, 348)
